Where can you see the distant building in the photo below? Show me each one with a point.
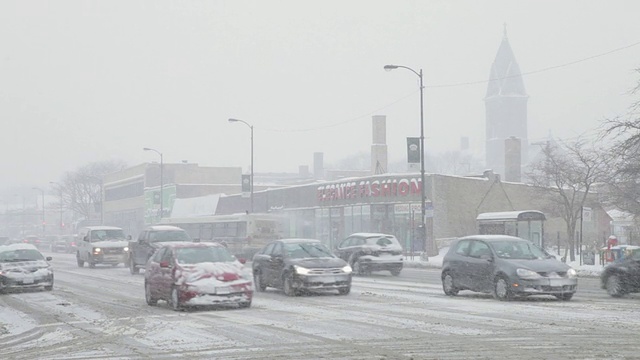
(506, 108)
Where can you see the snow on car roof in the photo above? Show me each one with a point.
(363, 234)
(495, 237)
(164, 228)
(184, 244)
(298, 240)
(19, 246)
(103, 228)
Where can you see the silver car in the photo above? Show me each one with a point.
(506, 267)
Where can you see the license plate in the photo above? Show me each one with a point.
(557, 282)
(28, 279)
(223, 290)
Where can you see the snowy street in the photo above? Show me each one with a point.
(101, 314)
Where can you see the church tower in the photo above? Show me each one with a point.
(505, 108)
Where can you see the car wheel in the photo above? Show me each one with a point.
(174, 302)
(258, 282)
(614, 286)
(447, 285)
(396, 271)
(344, 291)
(151, 301)
(564, 297)
(80, 261)
(357, 268)
(132, 267)
(502, 290)
(288, 286)
(245, 304)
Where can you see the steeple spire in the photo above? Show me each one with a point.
(504, 25)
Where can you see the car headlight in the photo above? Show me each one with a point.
(347, 269)
(97, 250)
(126, 248)
(572, 273)
(527, 274)
(301, 270)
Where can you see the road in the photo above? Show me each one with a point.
(101, 314)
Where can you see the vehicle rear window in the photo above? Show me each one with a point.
(382, 241)
(164, 236)
(197, 255)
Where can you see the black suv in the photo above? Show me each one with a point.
(367, 252)
(148, 242)
(623, 276)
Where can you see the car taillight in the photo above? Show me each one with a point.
(25, 241)
(73, 244)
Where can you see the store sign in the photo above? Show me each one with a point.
(369, 189)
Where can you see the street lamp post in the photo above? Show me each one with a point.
(428, 245)
(251, 180)
(43, 210)
(161, 180)
(61, 208)
(101, 184)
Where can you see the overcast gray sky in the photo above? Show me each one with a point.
(93, 80)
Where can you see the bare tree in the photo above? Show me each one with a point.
(564, 175)
(624, 182)
(81, 190)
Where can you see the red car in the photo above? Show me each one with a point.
(186, 274)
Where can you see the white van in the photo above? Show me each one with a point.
(102, 245)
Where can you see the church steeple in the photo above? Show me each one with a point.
(505, 106)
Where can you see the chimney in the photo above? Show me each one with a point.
(318, 166)
(379, 145)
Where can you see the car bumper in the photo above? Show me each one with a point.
(109, 258)
(322, 282)
(545, 286)
(25, 283)
(215, 299)
(389, 262)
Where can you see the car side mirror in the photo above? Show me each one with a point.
(164, 264)
(129, 237)
(48, 258)
(142, 241)
(86, 238)
(196, 240)
(242, 261)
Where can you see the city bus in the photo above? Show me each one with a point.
(243, 234)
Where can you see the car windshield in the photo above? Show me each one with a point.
(307, 250)
(517, 250)
(20, 255)
(100, 235)
(172, 235)
(195, 255)
(381, 241)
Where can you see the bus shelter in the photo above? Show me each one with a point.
(527, 224)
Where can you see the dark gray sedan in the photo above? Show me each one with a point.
(297, 265)
(506, 267)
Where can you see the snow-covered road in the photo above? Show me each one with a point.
(101, 314)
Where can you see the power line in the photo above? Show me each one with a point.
(553, 67)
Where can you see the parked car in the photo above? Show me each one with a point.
(623, 276)
(506, 267)
(56, 243)
(33, 240)
(149, 240)
(23, 266)
(102, 245)
(187, 274)
(297, 265)
(367, 252)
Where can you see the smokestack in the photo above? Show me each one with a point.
(379, 145)
(318, 166)
(512, 159)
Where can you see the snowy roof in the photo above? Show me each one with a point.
(619, 215)
(507, 215)
(197, 206)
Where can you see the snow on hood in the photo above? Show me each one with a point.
(540, 265)
(107, 244)
(18, 246)
(207, 276)
(15, 270)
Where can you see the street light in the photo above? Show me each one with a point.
(43, 210)
(61, 208)
(102, 196)
(429, 246)
(251, 180)
(161, 180)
